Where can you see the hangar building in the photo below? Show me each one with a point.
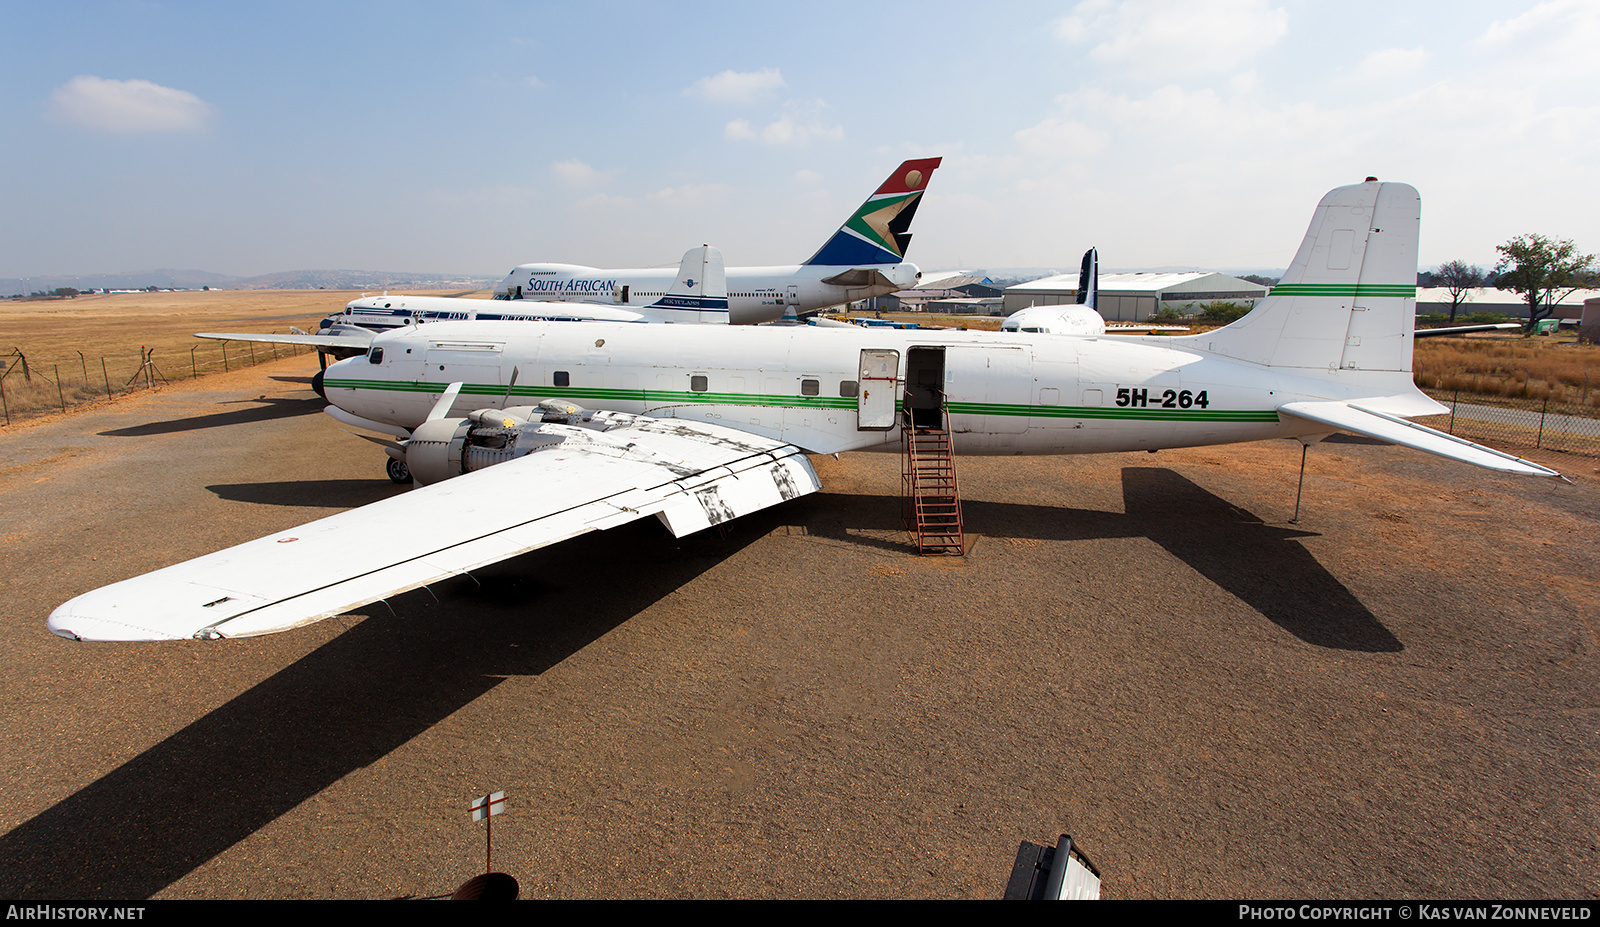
(1137, 297)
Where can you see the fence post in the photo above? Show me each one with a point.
(107, 376)
(59, 394)
(224, 357)
(1538, 440)
(1454, 401)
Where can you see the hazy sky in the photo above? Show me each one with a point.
(468, 137)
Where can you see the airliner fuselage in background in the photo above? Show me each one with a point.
(755, 294)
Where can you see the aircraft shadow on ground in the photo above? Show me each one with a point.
(265, 410)
(1261, 564)
(375, 687)
(342, 494)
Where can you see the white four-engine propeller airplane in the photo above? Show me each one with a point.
(701, 424)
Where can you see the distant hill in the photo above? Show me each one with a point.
(286, 280)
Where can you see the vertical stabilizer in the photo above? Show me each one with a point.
(880, 230)
(702, 283)
(1347, 304)
(1089, 280)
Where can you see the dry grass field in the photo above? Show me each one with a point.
(94, 342)
(1513, 367)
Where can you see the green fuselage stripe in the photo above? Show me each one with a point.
(1352, 290)
(657, 398)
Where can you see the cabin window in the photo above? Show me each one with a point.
(849, 389)
(563, 378)
(698, 383)
(810, 388)
(375, 356)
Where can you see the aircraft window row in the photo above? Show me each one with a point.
(699, 382)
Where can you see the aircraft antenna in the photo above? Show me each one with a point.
(509, 387)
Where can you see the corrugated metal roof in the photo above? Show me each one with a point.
(1146, 284)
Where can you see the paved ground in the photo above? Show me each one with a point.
(1396, 697)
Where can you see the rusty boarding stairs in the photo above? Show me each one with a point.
(928, 481)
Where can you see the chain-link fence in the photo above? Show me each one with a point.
(30, 385)
(1519, 422)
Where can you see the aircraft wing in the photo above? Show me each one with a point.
(1385, 427)
(356, 341)
(689, 475)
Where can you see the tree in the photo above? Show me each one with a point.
(1459, 279)
(1539, 268)
(1222, 312)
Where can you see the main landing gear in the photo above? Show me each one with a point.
(398, 471)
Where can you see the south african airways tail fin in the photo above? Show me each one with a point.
(879, 231)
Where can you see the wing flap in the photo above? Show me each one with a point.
(1396, 430)
(330, 566)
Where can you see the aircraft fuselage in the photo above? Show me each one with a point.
(755, 294)
(832, 390)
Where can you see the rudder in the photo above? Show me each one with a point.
(1348, 300)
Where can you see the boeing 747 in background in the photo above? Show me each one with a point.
(864, 258)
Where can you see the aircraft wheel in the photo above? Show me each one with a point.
(398, 471)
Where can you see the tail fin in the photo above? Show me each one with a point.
(702, 283)
(1347, 305)
(1089, 279)
(879, 231)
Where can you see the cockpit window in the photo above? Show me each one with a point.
(375, 356)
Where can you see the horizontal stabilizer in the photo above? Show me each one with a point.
(355, 341)
(1396, 430)
(860, 276)
(1464, 329)
(690, 475)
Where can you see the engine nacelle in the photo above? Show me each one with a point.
(447, 447)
